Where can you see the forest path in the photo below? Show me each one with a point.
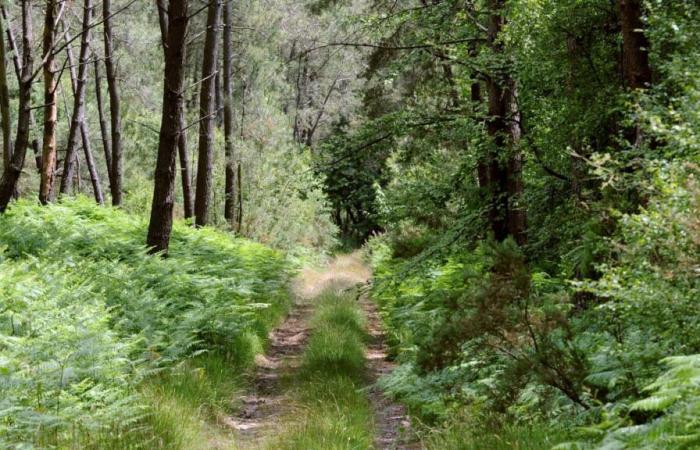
(268, 404)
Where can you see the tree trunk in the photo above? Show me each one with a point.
(12, 172)
(507, 215)
(78, 125)
(230, 189)
(5, 119)
(207, 116)
(185, 171)
(114, 106)
(48, 153)
(635, 45)
(104, 130)
(161, 222)
(18, 72)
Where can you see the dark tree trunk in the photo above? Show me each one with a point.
(104, 130)
(230, 189)
(114, 106)
(161, 222)
(185, 171)
(507, 215)
(635, 45)
(12, 172)
(207, 115)
(5, 119)
(48, 153)
(78, 125)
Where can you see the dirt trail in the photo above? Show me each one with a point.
(391, 419)
(267, 404)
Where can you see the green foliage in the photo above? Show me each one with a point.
(87, 314)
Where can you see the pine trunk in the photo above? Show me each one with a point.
(207, 116)
(78, 125)
(12, 172)
(635, 45)
(104, 129)
(5, 120)
(161, 223)
(48, 153)
(230, 188)
(114, 106)
(507, 215)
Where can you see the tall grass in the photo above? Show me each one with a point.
(467, 434)
(102, 343)
(332, 410)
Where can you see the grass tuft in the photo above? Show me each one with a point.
(333, 412)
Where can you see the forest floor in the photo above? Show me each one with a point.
(288, 407)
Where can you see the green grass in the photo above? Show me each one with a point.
(468, 434)
(332, 411)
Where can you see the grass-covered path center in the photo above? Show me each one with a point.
(315, 386)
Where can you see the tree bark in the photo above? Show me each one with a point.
(104, 130)
(635, 45)
(185, 171)
(48, 153)
(18, 72)
(230, 189)
(507, 215)
(114, 106)
(185, 168)
(5, 120)
(78, 127)
(207, 115)
(161, 223)
(12, 172)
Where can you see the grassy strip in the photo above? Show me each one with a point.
(333, 411)
(465, 434)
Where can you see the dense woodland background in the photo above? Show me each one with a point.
(522, 176)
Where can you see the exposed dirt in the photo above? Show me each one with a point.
(266, 405)
(393, 424)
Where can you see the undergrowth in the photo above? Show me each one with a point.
(333, 412)
(97, 336)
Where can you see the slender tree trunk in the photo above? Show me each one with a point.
(239, 218)
(161, 222)
(507, 214)
(12, 172)
(18, 72)
(114, 106)
(5, 120)
(185, 171)
(78, 125)
(104, 129)
(48, 154)
(230, 189)
(207, 115)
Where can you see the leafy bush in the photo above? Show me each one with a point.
(87, 313)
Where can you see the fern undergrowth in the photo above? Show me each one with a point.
(94, 331)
